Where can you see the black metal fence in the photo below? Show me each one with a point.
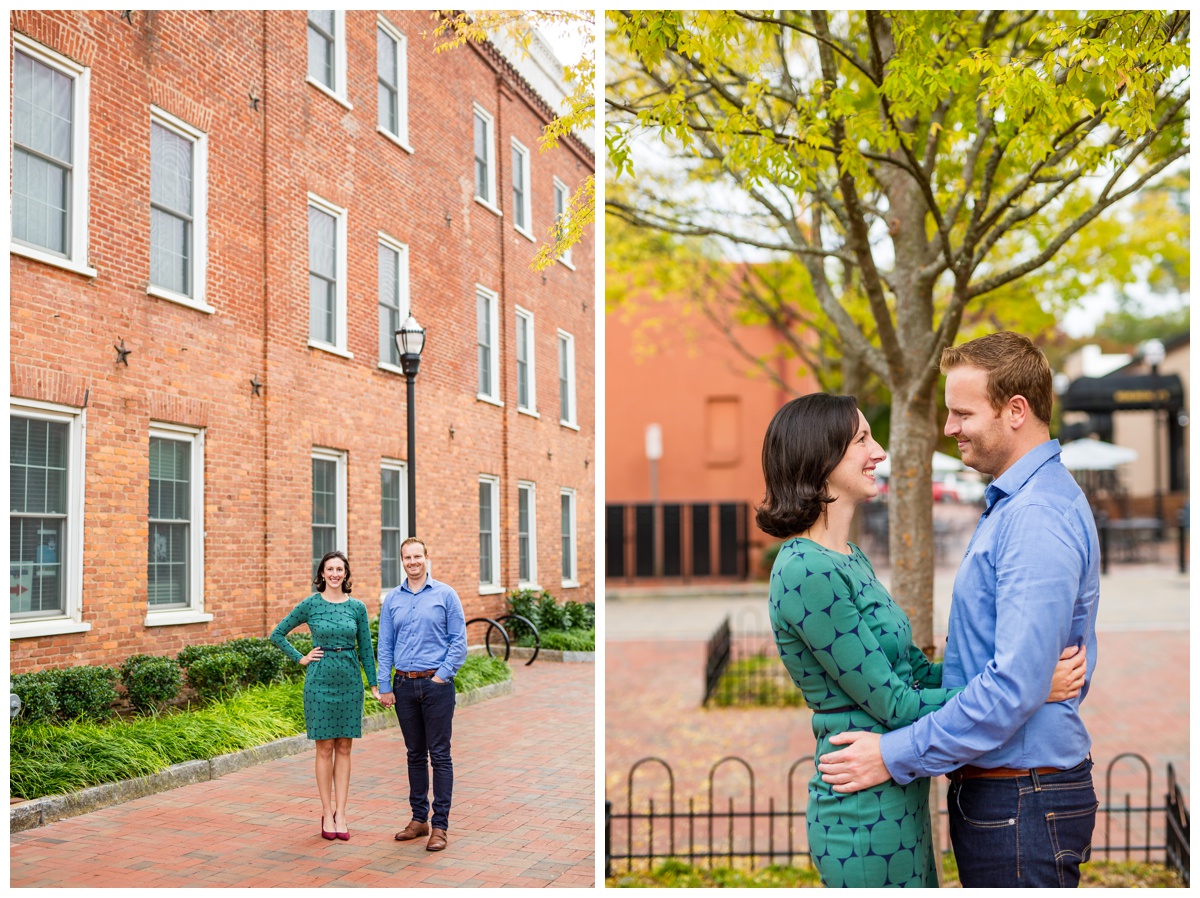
(743, 669)
(677, 540)
(745, 832)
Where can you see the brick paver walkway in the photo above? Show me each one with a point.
(523, 815)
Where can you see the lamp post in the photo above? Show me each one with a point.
(1153, 353)
(410, 340)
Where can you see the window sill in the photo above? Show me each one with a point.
(390, 368)
(570, 584)
(566, 261)
(180, 299)
(489, 590)
(30, 252)
(57, 627)
(570, 425)
(171, 618)
(396, 140)
(528, 411)
(528, 235)
(489, 400)
(330, 348)
(489, 207)
(521, 584)
(340, 100)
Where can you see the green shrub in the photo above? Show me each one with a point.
(39, 696)
(150, 681)
(567, 640)
(217, 675)
(583, 616)
(481, 670)
(193, 653)
(265, 661)
(86, 692)
(524, 602)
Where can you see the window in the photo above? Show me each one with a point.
(485, 161)
(393, 515)
(178, 175)
(562, 198)
(520, 181)
(526, 534)
(526, 396)
(328, 503)
(327, 52)
(49, 156)
(393, 298)
(489, 534)
(566, 379)
(488, 339)
(392, 69)
(45, 519)
(326, 276)
(567, 500)
(175, 550)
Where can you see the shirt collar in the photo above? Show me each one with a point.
(428, 583)
(1018, 475)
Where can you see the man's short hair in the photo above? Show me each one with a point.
(414, 539)
(1014, 366)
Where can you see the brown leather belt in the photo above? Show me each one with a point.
(416, 674)
(969, 772)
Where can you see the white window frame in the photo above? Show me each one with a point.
(526, 201)
(530, 487)
(391, 464)
(338, 91)
(402, 276)
(338, 456)
(71, 619)
(400, 138)
(493, 357)
(77, 259)
(341, 216)
(571, 419)
(531, 407)
(561, 192)
(568, 493)
(490, 139)
(495, 585)
(199, 260)
(194, 613)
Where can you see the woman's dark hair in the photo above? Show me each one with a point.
(319, 577)
(805, 441)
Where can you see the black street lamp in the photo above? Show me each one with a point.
(410, 340)
(1153, 353)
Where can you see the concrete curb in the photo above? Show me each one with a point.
(553, 655)
(50, 808)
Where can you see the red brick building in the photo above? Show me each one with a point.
(219, 219)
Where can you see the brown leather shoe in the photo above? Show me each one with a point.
(414, 830)
(437, 841)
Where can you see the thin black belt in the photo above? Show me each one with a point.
(337, 648)
(837, 710)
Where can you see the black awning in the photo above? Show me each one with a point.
(1124, 393)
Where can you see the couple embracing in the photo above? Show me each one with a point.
(1000, 715)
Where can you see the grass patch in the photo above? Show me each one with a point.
(45, 759)
(757, 681)
(563, 640)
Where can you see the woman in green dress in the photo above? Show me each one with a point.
(333, 685)
(846, 644)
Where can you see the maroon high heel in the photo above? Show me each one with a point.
(328, 835)
(345, 837)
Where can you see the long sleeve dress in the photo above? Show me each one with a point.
(848, 646)
(333, 686)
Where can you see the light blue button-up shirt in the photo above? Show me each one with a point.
(1028, 587)
(425, 630)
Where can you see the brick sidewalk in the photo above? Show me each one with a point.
(523, 814)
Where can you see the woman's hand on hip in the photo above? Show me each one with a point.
(314, 655)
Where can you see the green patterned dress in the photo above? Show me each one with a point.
(848, 646)
(333, 686)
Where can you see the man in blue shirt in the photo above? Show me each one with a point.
(423, 638)
(1021, 802)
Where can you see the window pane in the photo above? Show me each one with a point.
(522, 361)
(170, 170)
(324, 508)
(484, 337)
(40, 190)
(38, 466)
(485, 533)
(389, 491)
(389, 304)
(321, 37)
(36, 550)
(42, 101)
(523, 573)
(169, 513)
(170, 250)
(322, 279)
(518, 176)
(568, 571)
(482, 185)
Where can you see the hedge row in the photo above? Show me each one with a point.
(545, 613)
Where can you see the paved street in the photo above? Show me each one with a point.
(523, 815)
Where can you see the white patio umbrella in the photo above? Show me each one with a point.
(941, 462)
(1095, 455)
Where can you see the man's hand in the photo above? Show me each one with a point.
(387, 699)
(857, 767)
(1069, 674)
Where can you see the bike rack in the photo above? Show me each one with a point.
(497, 625)
(537, 640)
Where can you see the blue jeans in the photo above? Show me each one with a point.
(1023, 832)
(425, 710)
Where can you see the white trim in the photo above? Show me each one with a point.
(572, 581)
(493, 357)
(403, 146)
(492, 590)
(400, 138)
(571, 420)
(77, 259)
(195, 437)
(405, 296)
(176, 617)
(336, 91)
(70, 620)
(338, 456)
(489, 202)
(560, 189)
(489, 587)
(493, 209)
(341, 217)
(531, 488)
(531, 407)
(527, 204)
(199, 260)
